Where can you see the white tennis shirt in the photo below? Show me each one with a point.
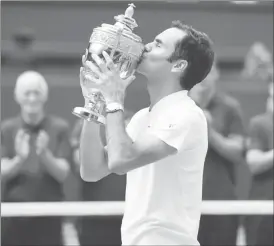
(163, 199)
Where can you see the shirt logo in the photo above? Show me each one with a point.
(171, 126)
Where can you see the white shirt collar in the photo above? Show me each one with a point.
(170, 99)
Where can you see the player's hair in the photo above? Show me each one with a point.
(196, 49)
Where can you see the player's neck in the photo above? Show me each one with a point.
(32, 119)
(159, 91)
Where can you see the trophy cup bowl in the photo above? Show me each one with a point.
(124, 47)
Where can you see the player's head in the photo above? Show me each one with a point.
(31, 92)
(179, 52)
(203, 92)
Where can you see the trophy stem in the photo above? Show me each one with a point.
(94, 109)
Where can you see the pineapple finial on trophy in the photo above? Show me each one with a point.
(126, 21)
(130, 10)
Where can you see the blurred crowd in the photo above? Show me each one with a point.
(40, 152)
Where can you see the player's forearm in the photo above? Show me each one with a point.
(93, 160)
(259, 161)
(58, 168)
(230, 149)
(120, 145)
(10, 167)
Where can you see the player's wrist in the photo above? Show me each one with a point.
(114, 106)
(115, 95)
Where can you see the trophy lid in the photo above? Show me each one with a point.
(126, 21)
(120, 36)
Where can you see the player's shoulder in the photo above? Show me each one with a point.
(190, 110)
(10, 123)
(139, 114)
(58, 122)
(141, 111)
(186, 113)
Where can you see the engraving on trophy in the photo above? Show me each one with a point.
(124, 47)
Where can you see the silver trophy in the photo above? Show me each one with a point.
(124, 47)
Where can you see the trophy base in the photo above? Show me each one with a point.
(89, 115)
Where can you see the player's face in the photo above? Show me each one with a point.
(155, 57)
(32, 101)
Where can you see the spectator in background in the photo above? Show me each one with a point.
(101, 230)
(34, 162)
(258, 62)
(225, 150)
(260, 160)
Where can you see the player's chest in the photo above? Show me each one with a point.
(140, 126)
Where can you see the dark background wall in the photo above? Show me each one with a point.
(230, 26)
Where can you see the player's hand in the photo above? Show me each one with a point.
(42, 142)
(107, 78)
(85, 86)
(22, 147)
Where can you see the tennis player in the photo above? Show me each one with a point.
(163, 148)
